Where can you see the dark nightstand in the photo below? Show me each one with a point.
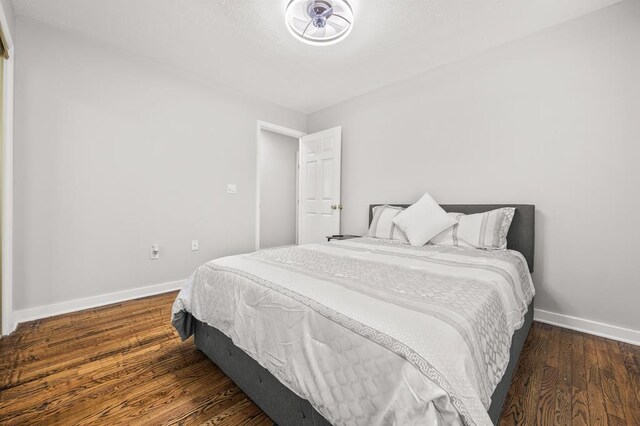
(341, 237)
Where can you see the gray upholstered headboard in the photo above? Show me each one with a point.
(521, 234)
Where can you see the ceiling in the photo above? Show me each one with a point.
(244, 44)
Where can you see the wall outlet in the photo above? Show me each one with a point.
(232, 188)
(195, 245)
(155, 251)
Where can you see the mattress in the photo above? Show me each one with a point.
(368, 331)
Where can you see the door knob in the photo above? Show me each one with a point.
(336, 206)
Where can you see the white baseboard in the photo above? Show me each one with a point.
(614, 332)
(39, 312)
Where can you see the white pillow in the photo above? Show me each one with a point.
(382, 225)
(486, 230)
(423, 221)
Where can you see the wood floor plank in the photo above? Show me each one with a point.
(125, 364)
(624, 386)
(632, 365)
(595, 393)
(94, 408)
(563, 401)
(60, 345)
(207, 409)
(579, 396)
(143, 405)
(219, 395)
(545, 413)
(43, 366)
(95, 378)
(235, 415)
(610, 389)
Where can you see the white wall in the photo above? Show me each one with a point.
(278, 169)
(553, 120)
(114, 153)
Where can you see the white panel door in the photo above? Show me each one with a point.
(320, 160)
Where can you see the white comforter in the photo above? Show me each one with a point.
(372, 332)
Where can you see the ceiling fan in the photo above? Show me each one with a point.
(319, 22)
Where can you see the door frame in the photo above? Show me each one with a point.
(286, 131)
(7, 320)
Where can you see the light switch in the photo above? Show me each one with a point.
(232, 188)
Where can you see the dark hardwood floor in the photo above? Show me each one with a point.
(124, 364)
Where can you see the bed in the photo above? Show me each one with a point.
(366, 331)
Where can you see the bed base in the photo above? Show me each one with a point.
(285, 407)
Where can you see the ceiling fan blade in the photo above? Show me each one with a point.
(319, 32)
(306, 28)
(299, 24)
(301, 9)
(327, 12)
(342, 17)
(336, 26)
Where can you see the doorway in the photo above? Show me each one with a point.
(298, 182)
(278, 189)
(277, 185)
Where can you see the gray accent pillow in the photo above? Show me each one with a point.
(486, 230)
(382, 225)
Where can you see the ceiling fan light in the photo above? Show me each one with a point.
(319, 22)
